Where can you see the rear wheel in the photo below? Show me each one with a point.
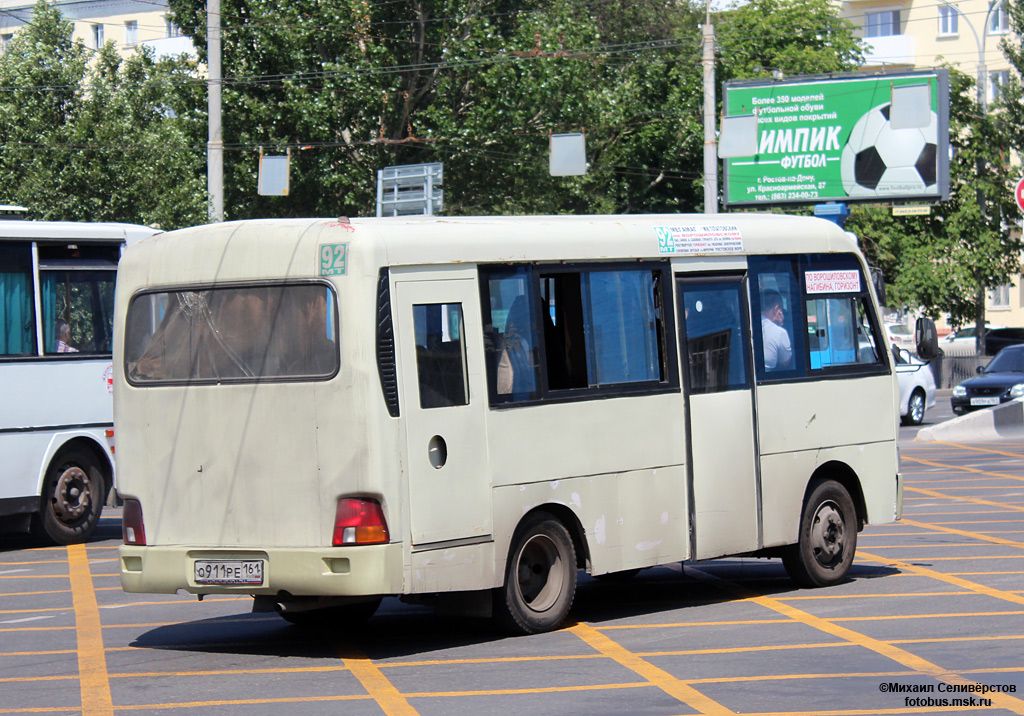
(73, 493)
(828, 537)
(540, 577)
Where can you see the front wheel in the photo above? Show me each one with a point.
(915, 409)
(540, 577)
(72, 498)
(828, 537)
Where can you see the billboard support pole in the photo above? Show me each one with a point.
(710, 142)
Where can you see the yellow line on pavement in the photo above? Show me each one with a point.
(981, 449)
(92, 660)
(963, 533)
(964, 468)
(943, 577)
(391, 702)
(972, 500)
(890, 651)
(672, 686)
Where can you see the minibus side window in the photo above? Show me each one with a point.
(778, 318)
(440, 355)
(510, 334)
(17, 322)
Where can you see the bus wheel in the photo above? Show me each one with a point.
(72, 498)
(828, 537)
(540, 577)
(348, 615)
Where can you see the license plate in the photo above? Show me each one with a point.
(229, 571)
(985, 401)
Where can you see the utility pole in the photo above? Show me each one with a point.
(710, 139)
(215, 144)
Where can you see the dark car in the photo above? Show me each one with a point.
(1000, 381)
(998, 338)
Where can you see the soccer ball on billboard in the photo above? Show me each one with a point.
(879, 161)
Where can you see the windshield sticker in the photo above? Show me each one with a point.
(332, 259)
(832, 281)
(693, 240)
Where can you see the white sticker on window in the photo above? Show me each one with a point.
(832, 281)
(693, 240)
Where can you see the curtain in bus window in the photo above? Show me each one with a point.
(510, 334)
(620, 327)
(235, 334)
(78, 311)
(17, 324)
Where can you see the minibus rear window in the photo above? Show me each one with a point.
(237, 334)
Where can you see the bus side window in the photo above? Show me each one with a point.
(842, 331)
(441, 355)
(17, 323)
(510, 333)
(778, 318)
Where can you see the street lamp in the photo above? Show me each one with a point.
(980, 42)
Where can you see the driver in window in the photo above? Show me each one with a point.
(778, 349)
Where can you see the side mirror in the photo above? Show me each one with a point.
(979, 369)
(927, 339)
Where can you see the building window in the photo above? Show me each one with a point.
(999, 21)
(131, 33)
(997, 79)
(97, 36)
(882, 24)
(5, 38)
(999, 297)
(172, 29)
(948, 20)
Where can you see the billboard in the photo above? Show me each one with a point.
(835, 139)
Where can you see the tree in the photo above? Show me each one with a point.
(946, 261)
(354, 86)
(97, 138)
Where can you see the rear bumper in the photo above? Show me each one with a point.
(339, 571)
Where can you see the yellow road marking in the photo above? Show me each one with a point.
(391, 702)
(963, 533)
(672, 686)
(947, 578)
(965, 468)
(972, 500)
(240, 702)
(981, 449)
(92, 660)
(890, 651)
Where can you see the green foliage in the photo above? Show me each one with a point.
(944, 262)
(96, 139)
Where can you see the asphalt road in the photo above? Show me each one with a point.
(935, 602)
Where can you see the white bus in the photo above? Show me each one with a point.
(320, 413)
(56, 425)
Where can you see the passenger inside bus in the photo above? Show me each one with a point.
(778, 349)
(64, 337)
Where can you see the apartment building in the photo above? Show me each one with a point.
(928, 33)
(129, 23)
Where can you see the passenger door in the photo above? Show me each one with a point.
(722, 451)
(440, 344)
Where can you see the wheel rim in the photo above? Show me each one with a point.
(72, 495)
(916, 407)
(828, 535)
(539, 573)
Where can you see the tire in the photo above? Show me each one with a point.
(349, 615)
(828, 537)
(540, 577)
(74, 490)
(915, 408)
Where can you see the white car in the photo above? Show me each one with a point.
(902, 335)
(917, 388)
(962, 342)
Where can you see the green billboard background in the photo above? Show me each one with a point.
(828, 139)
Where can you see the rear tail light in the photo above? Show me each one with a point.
(358, 521)
(132, 528)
